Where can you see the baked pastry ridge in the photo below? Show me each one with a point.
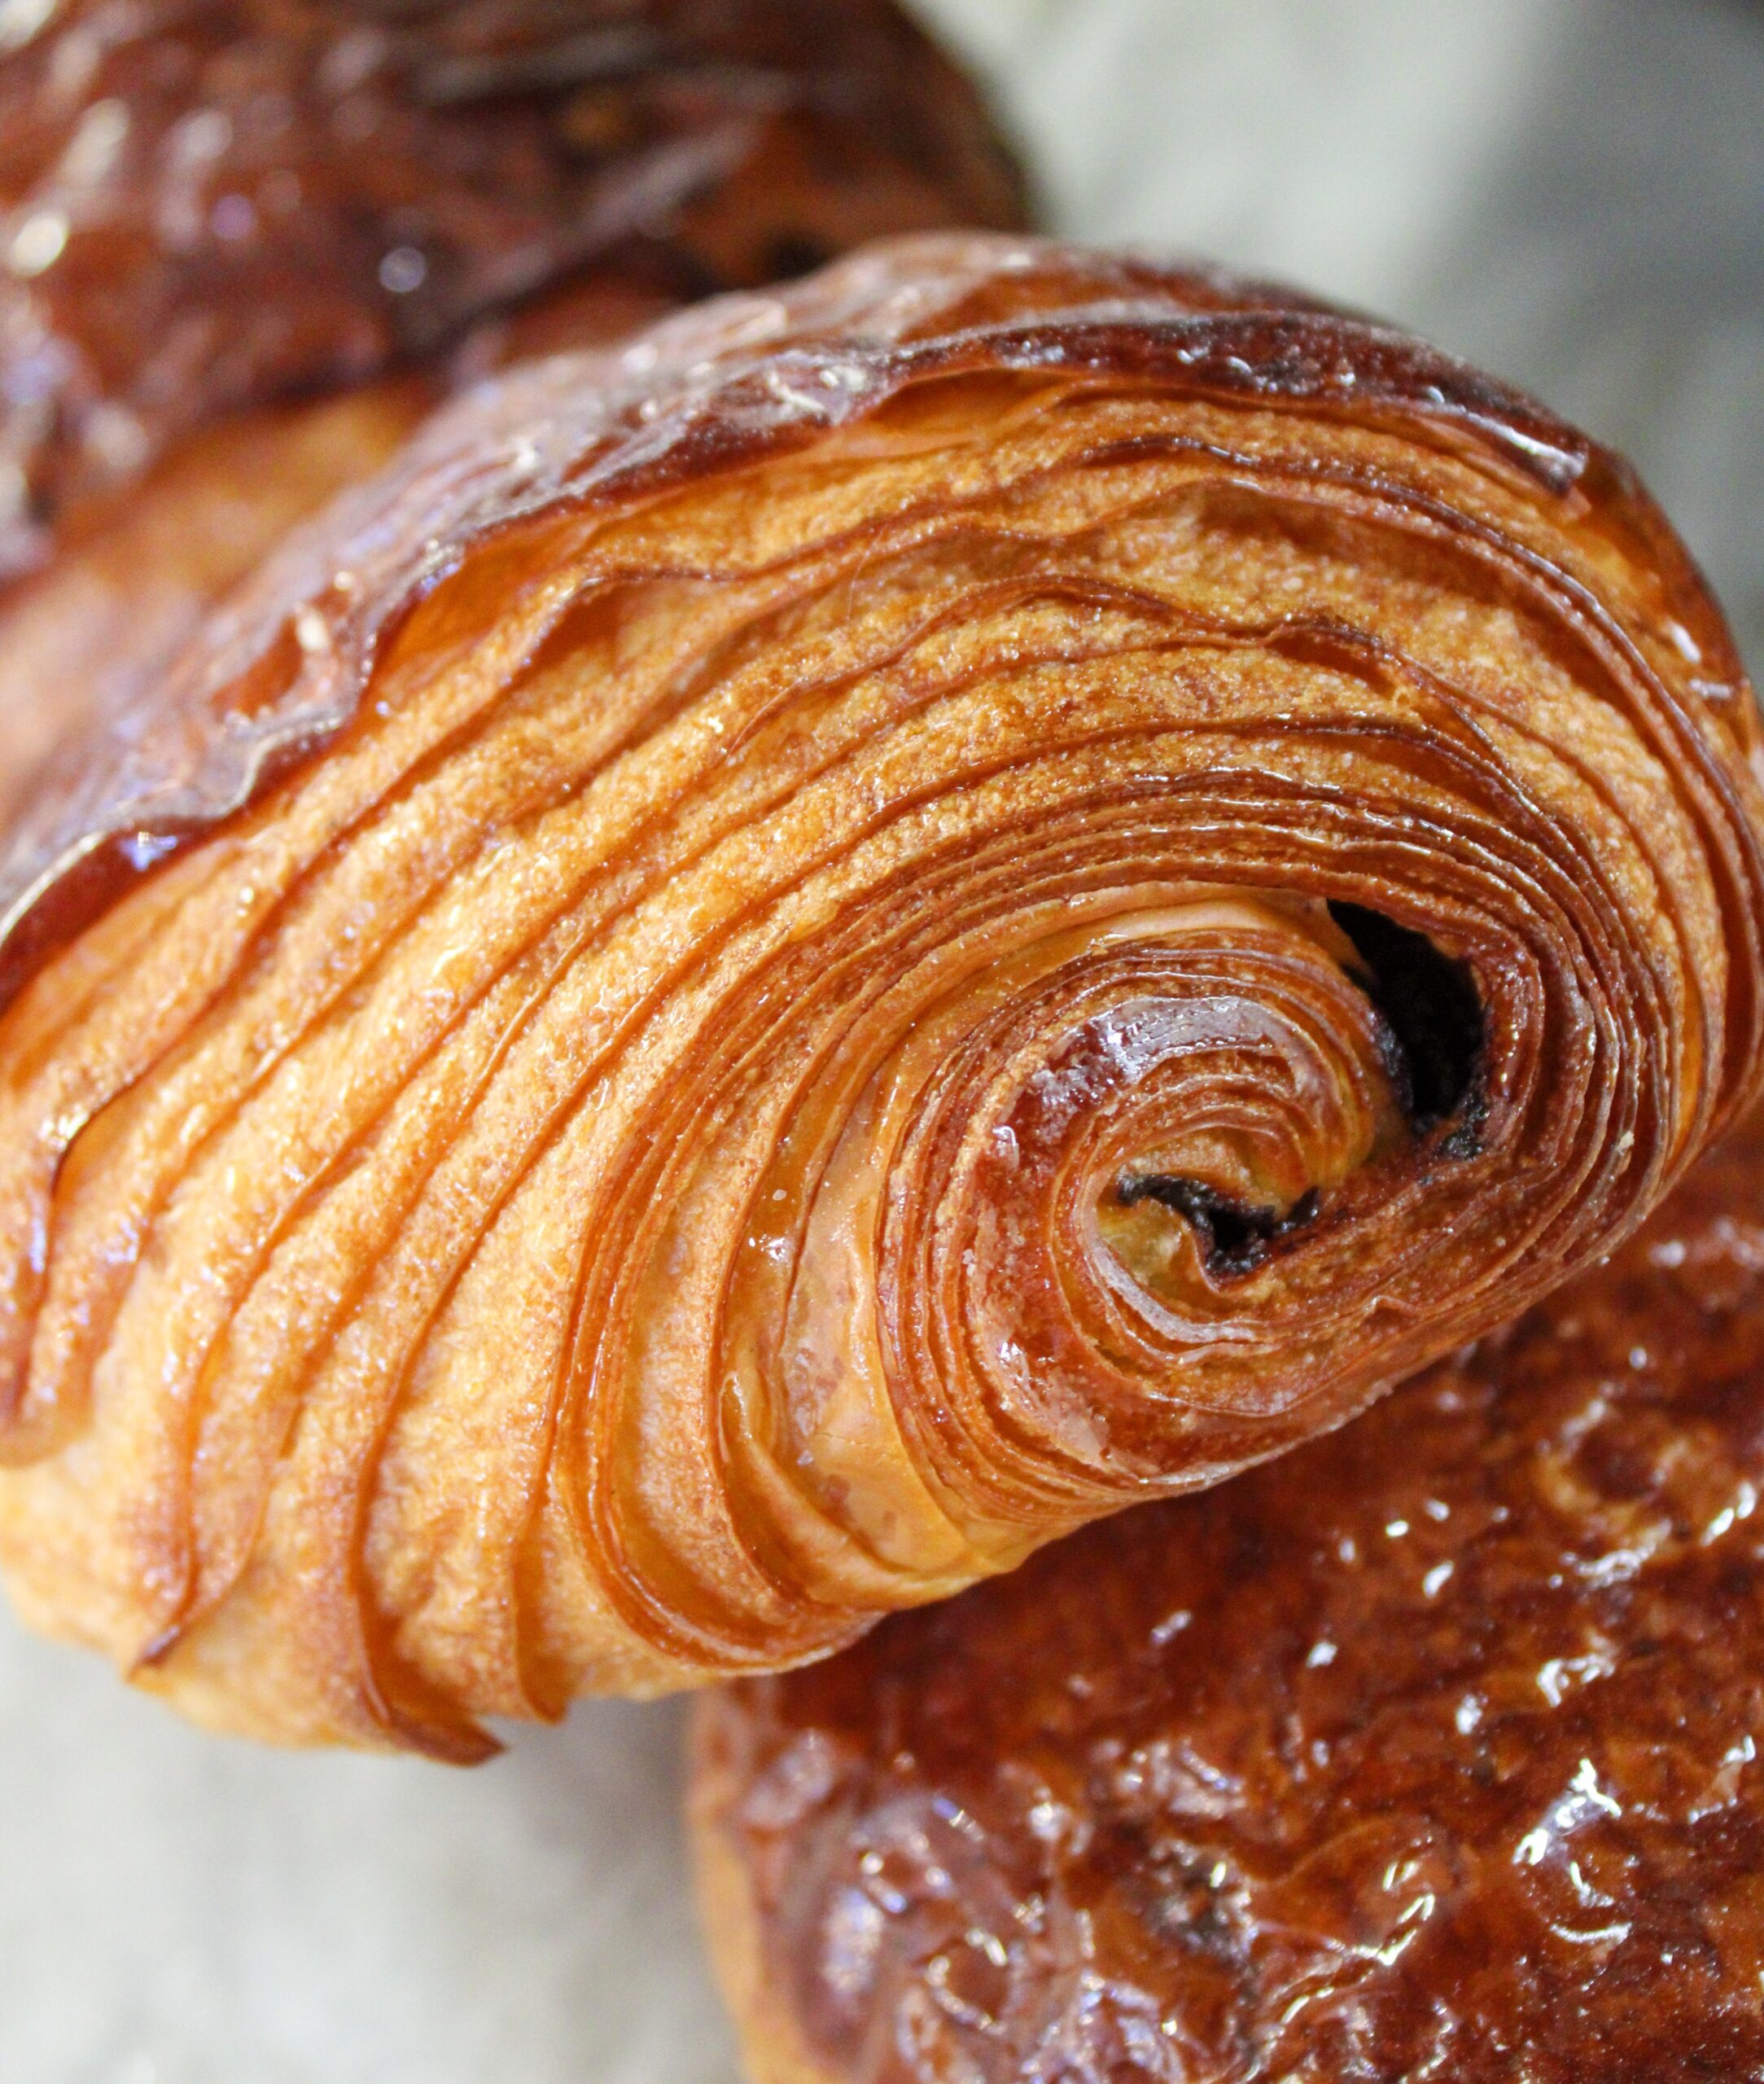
(1429, 1749)
(793, 958)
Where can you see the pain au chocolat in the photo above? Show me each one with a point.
(246, 246)
(1431, 1750)
(793, 959)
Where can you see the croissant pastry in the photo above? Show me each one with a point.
(209, 209)
(794, 959)
(1428, 1750)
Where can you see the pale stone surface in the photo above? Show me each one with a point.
(1568, 189)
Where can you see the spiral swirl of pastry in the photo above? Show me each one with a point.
(1428, 1748)
(793, 959)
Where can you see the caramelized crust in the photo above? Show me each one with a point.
(204, 207)
(134, 573)
(211, 204)
(1429, 1750)
(791, 960)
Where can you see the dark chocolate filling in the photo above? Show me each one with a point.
(1433, 1016)
(1233, 1236)
(1428, 1002)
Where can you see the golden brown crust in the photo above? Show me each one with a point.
(247, 201)
(87, 635)
(794, 959)
(1432, 1749)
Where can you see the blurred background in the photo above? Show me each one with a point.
(1569, 191)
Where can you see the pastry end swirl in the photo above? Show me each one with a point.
(791, 960)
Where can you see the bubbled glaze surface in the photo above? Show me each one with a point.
(1428, 1751)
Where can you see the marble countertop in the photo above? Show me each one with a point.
(1571, 191)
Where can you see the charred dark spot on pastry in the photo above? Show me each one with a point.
(797, 253)
(1234, 1236)
(1181, 1901)
(1463, 1138)
(1428, 1003)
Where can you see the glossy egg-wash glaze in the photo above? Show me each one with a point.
(791, 960)
(204, 207)
(1430, 1751)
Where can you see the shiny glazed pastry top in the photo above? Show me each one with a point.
(207, 206)
(219, 218)
(795, 958)
(1431, 1750)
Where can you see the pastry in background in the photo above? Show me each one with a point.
(209, 211)
(795, 957)
(1429, 1750)
(213, 205)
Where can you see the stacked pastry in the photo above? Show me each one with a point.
(214, 210)
(1431, 1749)
(793, 956)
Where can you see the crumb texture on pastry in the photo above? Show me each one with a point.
(795, 957)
